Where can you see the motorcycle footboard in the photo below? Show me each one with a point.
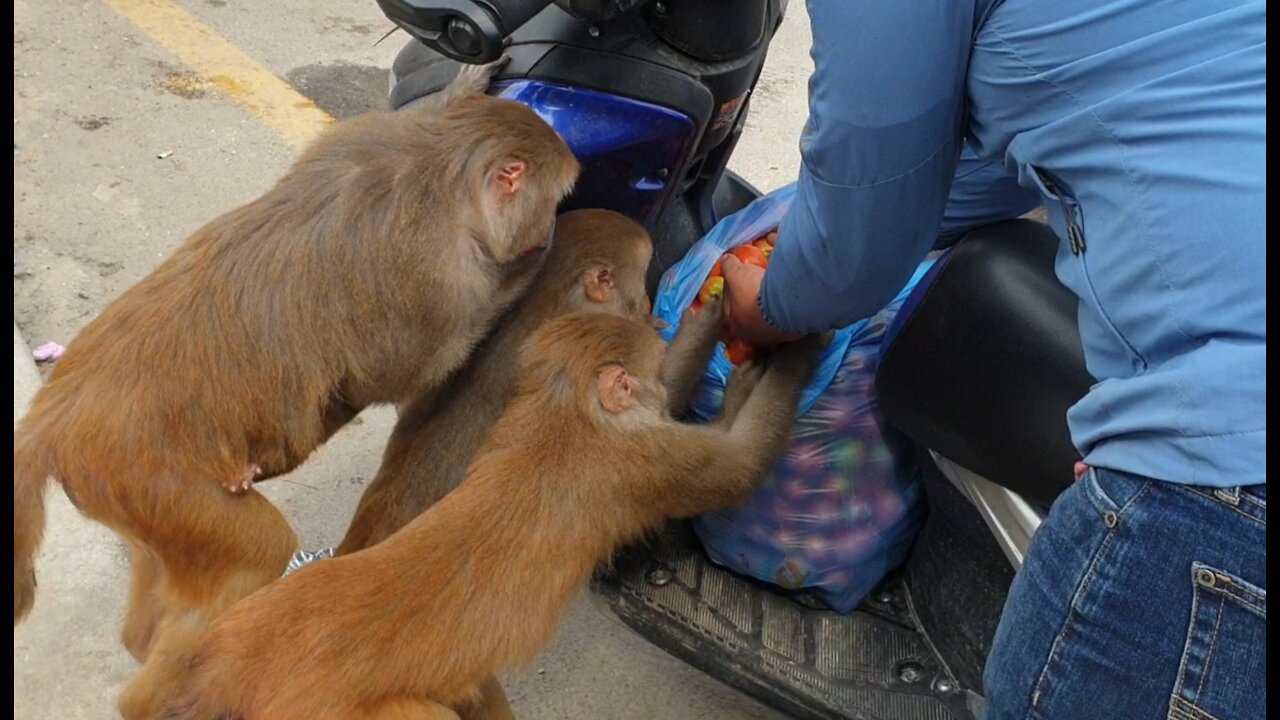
(788, 651)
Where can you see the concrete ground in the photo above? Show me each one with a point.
(126, 140)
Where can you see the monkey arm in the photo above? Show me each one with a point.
(688, 355)
(728, 458)
(742, 383)
(698, 469)
(706, 468)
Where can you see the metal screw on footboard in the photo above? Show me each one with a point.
(944, 686)
(659, 576)
(910, 673)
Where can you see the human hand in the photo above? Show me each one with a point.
(742, 307)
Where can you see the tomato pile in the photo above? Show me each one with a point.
(756, 252)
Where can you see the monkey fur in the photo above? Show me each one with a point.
(366, 275)
(585, 458)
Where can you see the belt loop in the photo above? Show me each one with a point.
(1230, 496)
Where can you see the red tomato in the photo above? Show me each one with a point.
(750, 255)
(716, 270)
(739, 352)
(712, 289)
(696, 306)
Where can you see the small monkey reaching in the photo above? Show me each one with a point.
(365, 275)
(596, 262)
(585, 458)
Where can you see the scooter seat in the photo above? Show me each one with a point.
(984, 359)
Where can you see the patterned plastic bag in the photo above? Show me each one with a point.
(842, 506)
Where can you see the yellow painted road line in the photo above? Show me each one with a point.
(273, 101)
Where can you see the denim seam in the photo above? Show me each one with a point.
(1186, 646)
(1118, 509)
(1146, 485)
(1213, 644)
(1245, 596)
(1072, 610)
(1180, 709)
(1098, 497)
(1232, 508)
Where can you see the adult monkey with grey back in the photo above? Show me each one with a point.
(365, 275)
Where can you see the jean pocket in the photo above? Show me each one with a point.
(1224, 662)
(1111, 492)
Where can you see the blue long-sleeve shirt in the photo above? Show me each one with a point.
(1140, 124)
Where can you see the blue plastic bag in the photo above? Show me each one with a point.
(843, 504)
(681, 282)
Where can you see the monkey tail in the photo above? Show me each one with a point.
(30, 476)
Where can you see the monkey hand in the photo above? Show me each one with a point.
(742, 382)
(244, 481)
(704, 324)
(689, 353)
(798, 359)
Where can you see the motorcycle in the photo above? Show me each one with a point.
(979, 368)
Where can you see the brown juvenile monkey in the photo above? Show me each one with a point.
(366, 275)
(596, 262)
(585, 458)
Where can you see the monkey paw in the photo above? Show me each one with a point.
(243, 482)
(800, 358)
(742, 382)
(705, 322)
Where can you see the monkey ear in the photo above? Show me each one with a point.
(617, 389)
(598, 283)
(510, 177)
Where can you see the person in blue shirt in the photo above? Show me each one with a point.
(1141, 125)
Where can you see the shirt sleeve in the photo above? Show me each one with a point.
(984, 192)
(879, 153)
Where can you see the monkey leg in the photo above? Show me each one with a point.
(386, 506)
(491, 705)
(407, 709)
(215, 549)
(145, 608)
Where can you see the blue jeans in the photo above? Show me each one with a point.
(1139, 600)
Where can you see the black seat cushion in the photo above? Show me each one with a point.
(983, 362)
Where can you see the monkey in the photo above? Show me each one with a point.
(597, 261)
(585, 458)
(365, 276)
